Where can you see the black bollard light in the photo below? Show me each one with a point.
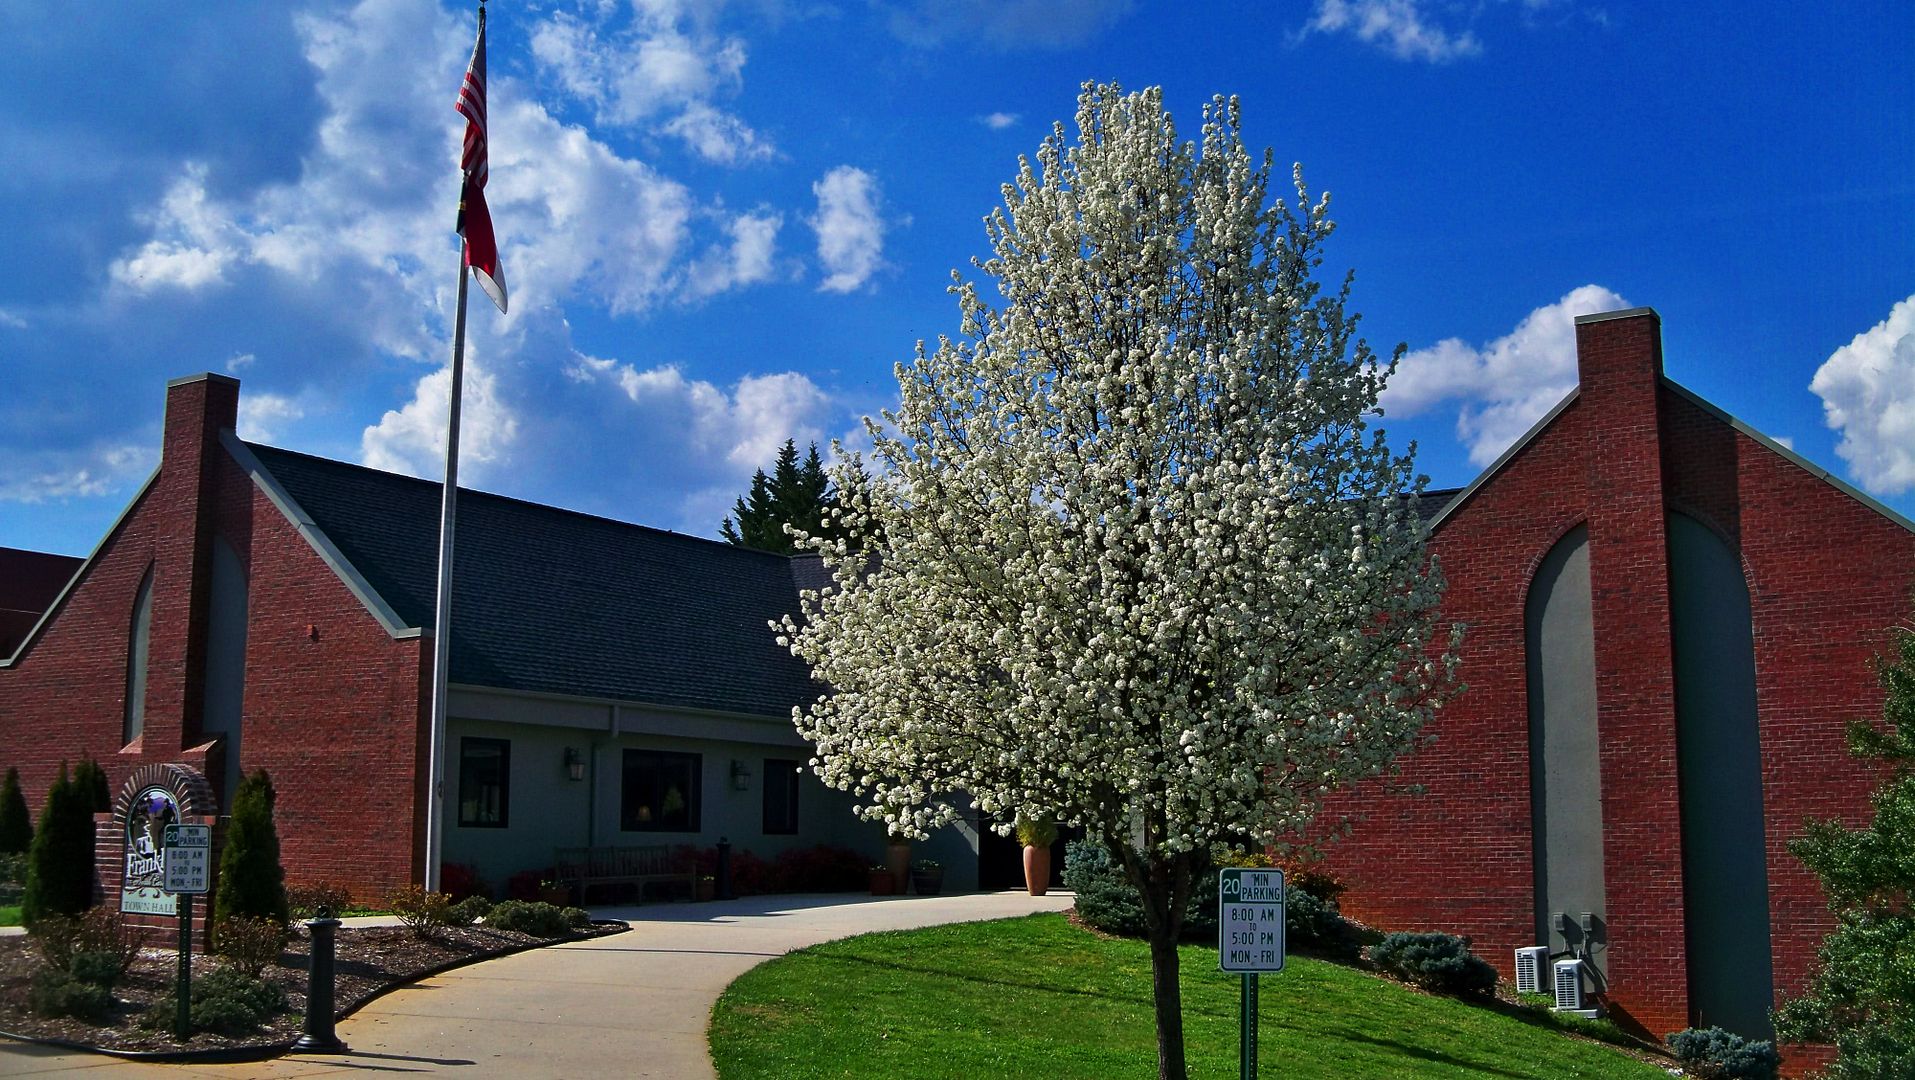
(724, 869)
(318, 1037)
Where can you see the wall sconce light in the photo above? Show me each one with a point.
(574, 763)
(740, 775)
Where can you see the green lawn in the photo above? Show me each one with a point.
(1036, 997)
(9, 914)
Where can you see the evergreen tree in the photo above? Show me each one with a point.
(16, 825)
(251, 881)
(60, 860)
(91, 780)
(1862, 998)
(795, 493)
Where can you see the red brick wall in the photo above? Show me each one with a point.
(332, 706)
(1827, 575)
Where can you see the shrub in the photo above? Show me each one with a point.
(1715, 1054)
(470, 910)
(1313, 923)
(55, 993)
(524, 885)
(98, 968)
(308, 901)
(251, 881)
(1434, 961)
(100, 932)
(1036, 832)
(530, 917)
(420, 911)
(225, 1000)
(577, 918)
(823, 868)
(16, 825)
(250, 944)
(1107, 901)
(91, 780)
(462, 880)
(60, 859)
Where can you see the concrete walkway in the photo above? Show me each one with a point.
(631, 1005)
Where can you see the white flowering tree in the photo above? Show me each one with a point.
(1141, 564)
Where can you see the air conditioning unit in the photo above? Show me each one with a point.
(1569, 985)
(1530, 965)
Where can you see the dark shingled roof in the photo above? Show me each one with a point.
(555, 601)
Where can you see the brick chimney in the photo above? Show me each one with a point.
(185, 499)
(1619, 360)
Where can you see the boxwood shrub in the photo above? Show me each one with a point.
(1434, 961)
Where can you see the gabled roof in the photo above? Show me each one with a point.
(553, 601)
(30, 581)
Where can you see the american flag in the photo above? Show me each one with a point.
(475, 219)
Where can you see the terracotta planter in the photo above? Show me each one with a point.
(1037, 869)
(897, 856)
(557, 895)
(881, 883)
(707, 888)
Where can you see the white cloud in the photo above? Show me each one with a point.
(998, 121)
(88, 472)
(663, 68)
(1398, 27)
(1867, 389)
(240, 360)
(1506, 385)
(192, 245)
(719, 137)
(263, 416)
(8, 318)
(412, 439)
(850, 231)
(747, 259)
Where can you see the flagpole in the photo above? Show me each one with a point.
(442, 619)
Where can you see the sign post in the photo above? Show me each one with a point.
(1250, 940)
(186, 852)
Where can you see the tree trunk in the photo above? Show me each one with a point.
(1163, 884)
(1170, 1007)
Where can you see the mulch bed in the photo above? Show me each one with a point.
(368, 961)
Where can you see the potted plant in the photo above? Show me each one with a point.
(555, 893)
(927, 877)
(707, 887)
(882, 883)
(1037, 834)
(897, 855)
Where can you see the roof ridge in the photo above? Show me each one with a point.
(465, 490)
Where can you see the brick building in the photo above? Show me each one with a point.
(1670, 619)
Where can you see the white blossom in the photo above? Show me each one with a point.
(1136, 560)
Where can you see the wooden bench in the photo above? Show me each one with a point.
(584, 867)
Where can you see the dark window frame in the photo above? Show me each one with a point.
(781, 814)
(653, 815)
(467, 781)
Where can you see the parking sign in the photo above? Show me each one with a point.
(1250, 914)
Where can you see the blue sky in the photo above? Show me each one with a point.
(723, 223)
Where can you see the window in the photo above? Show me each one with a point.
(781, 797)
(133, 719)
(661, 792)
(485, 782)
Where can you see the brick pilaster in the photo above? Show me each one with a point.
(1619, 355)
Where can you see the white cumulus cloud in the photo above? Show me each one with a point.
(263, 416)
(1867, 389)
(850, 230)
(998, 121)
(1506, 385)
(660, 66)
(1401, 28)
(412, 438)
